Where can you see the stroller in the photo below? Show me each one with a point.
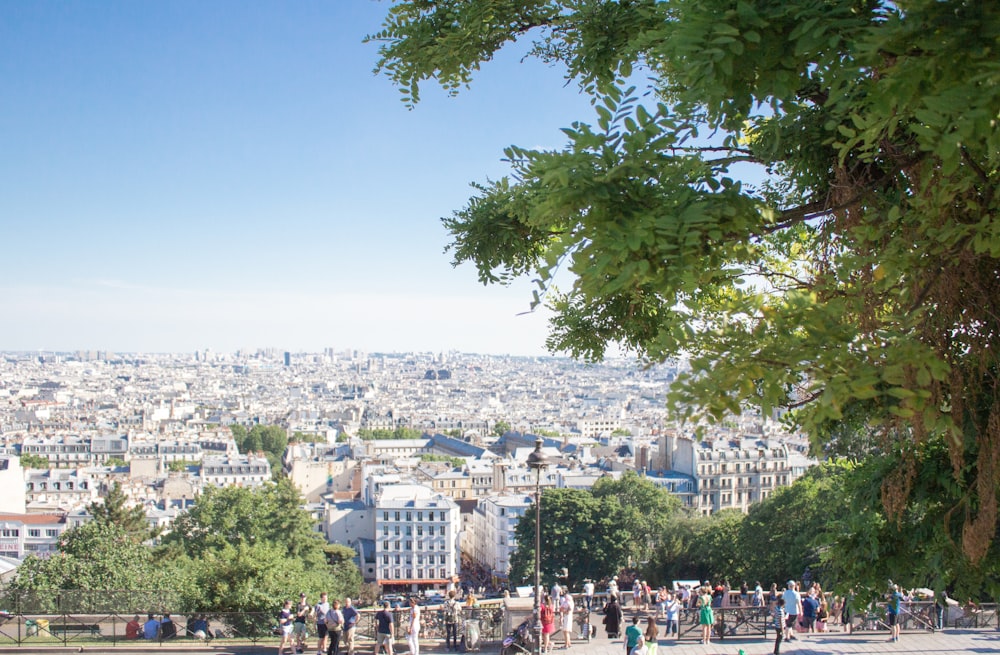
(521, 640)
(470, 636)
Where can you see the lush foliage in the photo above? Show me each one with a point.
(857, 279)
(32, 461)
(398, 433)
(593, 533)
(246, 549)
(114, 509)
(643, 510)
(96, 555)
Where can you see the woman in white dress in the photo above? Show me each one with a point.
(413, 632)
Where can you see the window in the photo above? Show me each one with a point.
(385, 545)
(385, 516)
(420, 516)
(409, 545)
(7, 532)
(409, 516)
(397, 516)
(34, 532)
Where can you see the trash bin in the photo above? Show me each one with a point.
(37, 627)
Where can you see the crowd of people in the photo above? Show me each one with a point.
(799, 608)
(335, 625)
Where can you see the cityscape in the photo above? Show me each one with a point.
(414, 510)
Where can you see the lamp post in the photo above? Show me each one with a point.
(538, 462)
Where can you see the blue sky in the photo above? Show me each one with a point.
(187, 175)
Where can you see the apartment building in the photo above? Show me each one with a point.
(417, 536)
(732, 473)
(30, 534)
(235, 470)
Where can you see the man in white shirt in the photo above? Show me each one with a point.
(320, 610)
(793, 607)
(588, 593)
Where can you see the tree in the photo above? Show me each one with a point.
(580, 533)
(858, 276)
(98, 555)
(241, 549)
(501, 428)
(32, 461)
(115, 509)
(789, 531)
(645, 513)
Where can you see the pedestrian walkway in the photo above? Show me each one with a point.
(946, 642)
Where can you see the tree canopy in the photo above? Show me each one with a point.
(856, 277)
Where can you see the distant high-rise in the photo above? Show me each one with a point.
(288, 358)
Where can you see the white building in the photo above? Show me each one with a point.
(12, 488)
(235, 470)
(30, 534)
(732, 473)
(417, 537)
(494, 522)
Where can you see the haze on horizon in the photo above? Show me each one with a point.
(189, 175)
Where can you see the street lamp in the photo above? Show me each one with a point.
(538, 461)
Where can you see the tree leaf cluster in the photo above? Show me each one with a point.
(855, 281)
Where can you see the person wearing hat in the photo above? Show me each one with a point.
(299, 632)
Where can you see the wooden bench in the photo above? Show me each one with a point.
(77, 629)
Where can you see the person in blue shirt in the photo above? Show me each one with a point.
(892, 612)
(151, 628)
(809, 607)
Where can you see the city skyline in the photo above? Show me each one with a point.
(223, 176)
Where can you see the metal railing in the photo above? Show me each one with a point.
(111, 628)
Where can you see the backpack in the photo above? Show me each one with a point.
(454, 611)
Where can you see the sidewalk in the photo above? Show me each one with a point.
(947, 642)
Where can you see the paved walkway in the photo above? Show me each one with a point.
(947, 642)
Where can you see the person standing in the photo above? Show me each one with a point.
(452, 619)
(299, 632)
(334, 628)
(652, 635)
(547, 616)
(383, 629)
(706, 617)
(632, 635)
(413, 630)
(810, 607)
(778, 616)
(613, 616)
(351, 617)
(793, 603)
(892, 612)
(319, 611)
(285, 627)
(671, 611)
(588, 594)
(566, 608)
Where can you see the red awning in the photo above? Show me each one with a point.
(420, 581)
